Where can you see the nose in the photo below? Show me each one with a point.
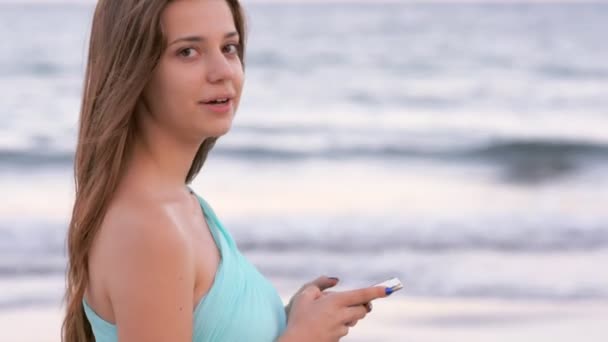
(219, 69)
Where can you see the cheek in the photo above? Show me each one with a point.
(177, 81)
(174, 88)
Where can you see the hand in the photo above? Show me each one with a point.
(326, 317)
(368, 308)
(322, 283)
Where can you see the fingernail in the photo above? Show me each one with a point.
(369, 307)
(388, 291)
(334, 278)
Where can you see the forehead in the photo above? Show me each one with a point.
(209, 18)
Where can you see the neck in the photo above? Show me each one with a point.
(160, 159)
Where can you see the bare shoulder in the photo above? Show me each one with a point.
(148, 271)
(136, 227)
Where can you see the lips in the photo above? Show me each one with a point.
(218, 107)
(218, 99)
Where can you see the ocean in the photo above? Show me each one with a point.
(460, 147)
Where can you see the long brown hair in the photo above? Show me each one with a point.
(125, 46)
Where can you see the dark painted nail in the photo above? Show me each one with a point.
(388, 291)
(333, 278)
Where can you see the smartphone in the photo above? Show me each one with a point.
(394, 283)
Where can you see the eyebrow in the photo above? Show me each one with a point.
(202, 39)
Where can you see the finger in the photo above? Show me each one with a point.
(310, 292)
(353, 314)
(367, 306)
(360, 296)
(324, 282)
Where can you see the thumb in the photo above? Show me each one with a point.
(324, 282)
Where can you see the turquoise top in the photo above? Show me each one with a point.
(241, 304)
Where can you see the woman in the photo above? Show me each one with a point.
(148, 259)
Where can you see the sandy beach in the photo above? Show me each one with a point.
(400, 318)
(426, 320)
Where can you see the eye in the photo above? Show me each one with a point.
(187, 52)
(234, 50)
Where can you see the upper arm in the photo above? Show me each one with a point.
(151, 281)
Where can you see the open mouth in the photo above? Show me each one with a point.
(219, 105)
(218, 101)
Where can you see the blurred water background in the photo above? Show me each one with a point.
(460, 147)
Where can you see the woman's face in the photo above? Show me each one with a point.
(200, 64)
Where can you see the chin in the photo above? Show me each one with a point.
(212, 125)
(217, 130)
